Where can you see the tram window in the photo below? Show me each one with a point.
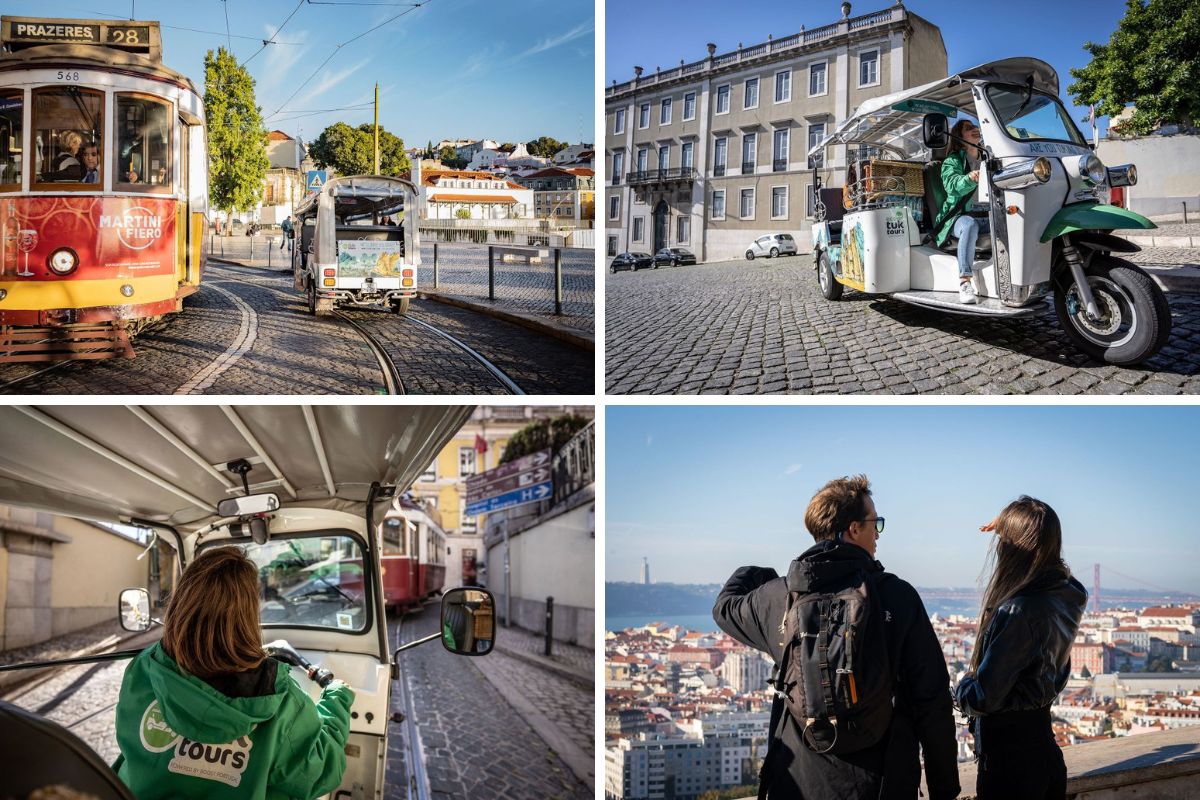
(64, 121)
(11, 140)
(143, 156)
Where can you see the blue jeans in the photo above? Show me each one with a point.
(967, 229)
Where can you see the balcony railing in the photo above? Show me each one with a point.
(574, 465)
(719, 170)
(779, 165)
(748, 167)
(668, 175)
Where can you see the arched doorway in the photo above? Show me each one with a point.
(661, 215)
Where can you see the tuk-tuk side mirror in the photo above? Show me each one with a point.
(134, 610)
(248, 504)
(468, 621)
(935, 131)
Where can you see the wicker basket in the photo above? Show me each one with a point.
(908, 172)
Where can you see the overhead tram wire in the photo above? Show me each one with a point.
(338, 47)
(193, 30)
(266, 42)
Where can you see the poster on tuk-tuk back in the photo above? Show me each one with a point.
(361, 258)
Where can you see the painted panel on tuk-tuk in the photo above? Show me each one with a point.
(363, 258)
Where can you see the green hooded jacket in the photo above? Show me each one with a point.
(955, 170)
(181, 738)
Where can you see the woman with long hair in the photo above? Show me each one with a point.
(1022, 658)
(206, 713)
(960, 177)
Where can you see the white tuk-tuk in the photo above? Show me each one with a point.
(302, 490)
(1041, 186)
(358, 244)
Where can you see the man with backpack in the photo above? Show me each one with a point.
(860, 680)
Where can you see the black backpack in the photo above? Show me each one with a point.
(835, 676)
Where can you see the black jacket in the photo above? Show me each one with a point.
(1026, 656)
(751, 607)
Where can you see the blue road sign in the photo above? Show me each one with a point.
(518, 497)
(315, 180)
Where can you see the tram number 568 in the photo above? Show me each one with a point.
(62, 75)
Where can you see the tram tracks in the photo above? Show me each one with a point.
(417, 785)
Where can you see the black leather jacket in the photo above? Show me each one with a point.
(1026, 648)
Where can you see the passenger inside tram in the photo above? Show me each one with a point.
(64, 120)
(66, 162)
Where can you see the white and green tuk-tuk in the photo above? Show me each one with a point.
(1041, 186)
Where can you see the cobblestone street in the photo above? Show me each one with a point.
(247, 332)
(763, 327)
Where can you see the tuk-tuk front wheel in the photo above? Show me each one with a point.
(830, 288)
(1134, 321)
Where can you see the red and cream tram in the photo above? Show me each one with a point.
(103, 186)
(414, 554)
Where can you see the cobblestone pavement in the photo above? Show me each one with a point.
(247, 332)
(763, 326)
(581, 660)
(1169, 257)
(475, 743)
(462, 272)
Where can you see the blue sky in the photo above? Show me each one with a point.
(701, 490)
(974, 33)
(450, 69)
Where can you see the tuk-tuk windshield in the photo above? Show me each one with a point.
(315, 582)
(1027, 116)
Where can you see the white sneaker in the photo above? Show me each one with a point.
(966, 293)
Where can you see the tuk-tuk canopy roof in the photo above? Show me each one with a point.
(879, 122)
(357, 196)
(167, 464)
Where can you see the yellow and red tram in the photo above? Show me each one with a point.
(103, 186)
(414, 547)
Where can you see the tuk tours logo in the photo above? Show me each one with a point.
(137, 228)
(215, 762)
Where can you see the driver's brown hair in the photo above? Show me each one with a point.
(840, 502)
(212, 624)
(956, 136)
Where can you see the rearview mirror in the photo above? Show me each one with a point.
(134, 610)
(935, 131)
(468, 621)
(248, 504)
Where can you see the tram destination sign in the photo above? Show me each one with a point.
(526, 480)
(139, 37)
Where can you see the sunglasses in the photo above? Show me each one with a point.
(878, 523)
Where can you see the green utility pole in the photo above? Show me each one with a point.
(376, 128)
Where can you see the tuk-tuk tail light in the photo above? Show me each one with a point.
(407, 273)
(329, 282)
(330, 272)
(1124, 175)
(406, 282)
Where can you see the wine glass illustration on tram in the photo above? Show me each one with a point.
(26, 241)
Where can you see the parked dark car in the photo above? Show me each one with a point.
(673, 257)
(631, 261)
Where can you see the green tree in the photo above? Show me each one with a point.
(237, 139)
(544, 146)
(429, 148)
(351, 151)
(447, 155)
(462, 213)
(539, 435)
(1151, 60)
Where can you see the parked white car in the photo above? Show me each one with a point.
(771, 245)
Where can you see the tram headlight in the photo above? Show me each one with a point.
(3, 293)
(127, 290)
(63, 261)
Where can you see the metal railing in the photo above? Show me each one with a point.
(779, 165)
(748, 167)
(574, 465)
(661, 175)
(719, 171)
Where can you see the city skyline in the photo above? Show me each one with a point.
(768, 461)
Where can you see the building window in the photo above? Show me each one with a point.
(684, 233)
(468, 523)
(644, 116)
(749, 152)
(746, 210)
(689, 106)
(810, 200)
(751, 94)
(612, 245)
(430, 473)
(816, 79)
(719, 156)
(664, 112)
(466, 461)
(718, 204)
(722, 99)
(783, 86)
(868, 68)
(686, 159)
(779, 202)
(779, 150)
(618, 164)
(816, 132)
(614, 207)
(664, 156)
(619, 121)
(643, 159)
(639, 227)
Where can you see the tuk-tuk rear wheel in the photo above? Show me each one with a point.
(400, 306)
(1134, 322)
(830, 288)
(310, 291)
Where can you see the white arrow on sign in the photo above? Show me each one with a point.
(534, 476)
(541, 491)
(540, 457)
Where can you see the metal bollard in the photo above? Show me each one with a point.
(558, 281)
(1185, 222)
(491, 272)
(270, 250)
(549, 623)
(435, 265)
(252, 238)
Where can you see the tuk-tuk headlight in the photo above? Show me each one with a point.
(1091, 170)
(1026, 173)
(1124, 175)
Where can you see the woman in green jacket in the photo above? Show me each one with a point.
(960, 177)
(206, 713)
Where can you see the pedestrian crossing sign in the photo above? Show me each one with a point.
(316, 180)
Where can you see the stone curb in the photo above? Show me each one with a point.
(572, 336)
(1164, 241)
(541, 662)
(234, 263)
